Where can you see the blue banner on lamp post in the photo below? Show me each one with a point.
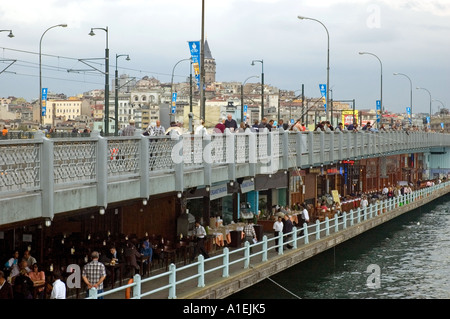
(323, 92)
(378, 111)
(174, 103)
(408, 111)
(194, 47)
(44, 101)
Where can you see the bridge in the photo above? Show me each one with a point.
(42, 177)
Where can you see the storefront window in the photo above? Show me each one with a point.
(227, 209)
(195, 207)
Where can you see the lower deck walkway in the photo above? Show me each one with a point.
(244, 270)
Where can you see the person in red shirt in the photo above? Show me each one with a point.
(220, 127)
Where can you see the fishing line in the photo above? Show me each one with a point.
(283, 288)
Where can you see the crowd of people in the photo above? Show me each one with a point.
(270, 124)
(284, 224)
(21, 278)
(299, 125)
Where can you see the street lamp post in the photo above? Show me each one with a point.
(242, 95)
(328, 61)
(262, 85)
(430, 102)
(11, 35)
(171, 86)
(116, 95)
(443, 106)
(106, 78)
(40, 68)
(381, 84)
(410, 98)
(202, 67)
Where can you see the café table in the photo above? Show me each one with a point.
(36, 287)
(144, 260)
(112, 269)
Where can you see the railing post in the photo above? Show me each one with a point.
(46, 175)
(144, 171)
(226, 263)
(201, 271)
(230, 156)
(252, 152)
(336, 225)
(341, 144)
(102, 171)
(173, 281)
(273, 144)
(359, 214)
(310, 148)
(178, 157)
(305, 233)
(351, 217)
(294, 237)
(285, 137)
(93, 293)
(280, 243)
(322, 147)
(137, 290)
(247, 255)
(264, 247)
(331, 157)
(327, 226)
(317, 229)
(207, 159)
(344, 219)
(298, 148)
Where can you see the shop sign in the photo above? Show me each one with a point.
(247, 186)
(333, 170)
(218, 191)
(299, 172)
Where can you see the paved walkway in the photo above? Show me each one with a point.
(189, 286)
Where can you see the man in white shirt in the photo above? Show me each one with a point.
(364, 203)
(385, 191)
(200, 236)
(59, 287)
(304, 218)
(201, 130)
(305, 215)
(278, 230)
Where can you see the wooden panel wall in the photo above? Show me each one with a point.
(158, 217)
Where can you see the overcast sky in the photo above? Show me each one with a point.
(409, 37)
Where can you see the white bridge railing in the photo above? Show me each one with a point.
(222, 264)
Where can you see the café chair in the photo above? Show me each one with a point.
(184, 250)
(169, 255)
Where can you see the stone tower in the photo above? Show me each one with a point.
(210, 65)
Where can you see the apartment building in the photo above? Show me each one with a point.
(63, 110)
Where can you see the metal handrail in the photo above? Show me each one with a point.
(339, 222)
